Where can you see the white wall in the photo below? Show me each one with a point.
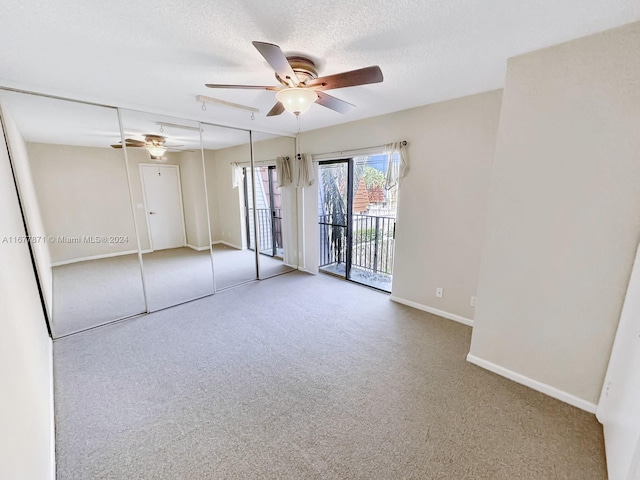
(40, 245)
(442, 201)
(619, 406)
(26, 397)
(82, 191)
(564, 218)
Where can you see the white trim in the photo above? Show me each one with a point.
(228, 244)
(535, 384)
(435, 311)
(356, 152)
(197, 249)
(95, 257)
(307, 271)
(52, 412)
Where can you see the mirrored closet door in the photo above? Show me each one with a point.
(167, 177)
(75, 195)
(276, 212)
(227, 155)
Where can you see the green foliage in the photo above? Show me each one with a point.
(373, 178)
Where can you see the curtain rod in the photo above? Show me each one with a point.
(363, 149)
(260, 161)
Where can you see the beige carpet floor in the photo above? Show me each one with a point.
(91, 293)
(303, 377)
(233, 266)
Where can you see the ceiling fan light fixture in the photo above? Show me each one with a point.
(296, 100)
(156, 151)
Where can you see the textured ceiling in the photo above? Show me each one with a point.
(157, 55)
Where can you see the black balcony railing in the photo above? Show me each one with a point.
(371, 242)
(333, 239)
(270, 225)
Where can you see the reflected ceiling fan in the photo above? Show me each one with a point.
(301, 85)
(155, 145)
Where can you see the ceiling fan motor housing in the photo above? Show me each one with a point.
(155, 139)
(303, 67)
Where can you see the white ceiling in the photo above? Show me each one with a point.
(157, 56)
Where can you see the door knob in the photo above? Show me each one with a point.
(152, 213)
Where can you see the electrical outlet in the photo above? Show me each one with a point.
(473, 301)
(439, 292)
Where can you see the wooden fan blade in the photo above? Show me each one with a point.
(277, 109)
(333, 103)
(116, 146)
(246, 87)
(274, 57)
(353, 78)
(131, 142)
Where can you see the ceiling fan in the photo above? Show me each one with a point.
(155, 145)
(301, 85)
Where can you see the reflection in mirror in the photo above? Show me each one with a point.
(276, 210)
(168, 186)
(228, 157)
(74, 190)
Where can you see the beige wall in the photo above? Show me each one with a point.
(563, 223)
(82, 191)
(26, 396)
(229, 227)
(193, 198)
(30, 204)
(442, 201)
(212, 194)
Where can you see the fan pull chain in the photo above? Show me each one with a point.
(161, 129)
(203, 107)
(253, 117)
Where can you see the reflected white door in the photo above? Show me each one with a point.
(163, 201)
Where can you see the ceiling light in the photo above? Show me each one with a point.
(296, 100)
(156, 151)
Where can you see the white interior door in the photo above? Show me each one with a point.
(619, 406)
(163, 201)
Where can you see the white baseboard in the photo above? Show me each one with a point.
(228, 244)
(197, 249)
(435, 311)
(94, 257)
(52, 412)
(307, 271)
(536, 385)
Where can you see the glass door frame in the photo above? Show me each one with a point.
(349, 218)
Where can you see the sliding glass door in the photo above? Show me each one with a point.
(356, 218)
(334, 200)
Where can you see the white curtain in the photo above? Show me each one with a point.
(306, 171)
(396, 169)
(283, 167)
(284, 170)
(236, 175)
